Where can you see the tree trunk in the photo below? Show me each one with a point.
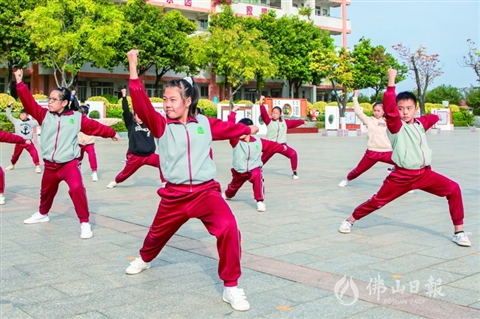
(420, 91)
(233, 93)
(10, 74)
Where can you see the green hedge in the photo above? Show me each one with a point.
(459, 123)
(117, 113)
(5, 124)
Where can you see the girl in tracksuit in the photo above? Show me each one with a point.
(379, 148)
(191, 190)
(23, 128)
(60, 150)
(141, 146)
(412, 158)
(247, 163)
(277, 132)
(7, 137)
(87, 142)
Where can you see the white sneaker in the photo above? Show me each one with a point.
(461, 239)
(261, 207)
(37, 218)
(112, 184)
(2, 199)
(9, 167)
(343, 183)
(85, 231)
(137, 266)
(345, 227)
(411, 192)
(94, 177)
(294, 175)
(38, 170)
(236, 298)
(225, 196)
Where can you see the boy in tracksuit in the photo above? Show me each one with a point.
(60, 150)
(7, 137)
(191, 190)
(247, 163)
(277, 132)
(23, 128)
(87, 142)
(412, 158)
(141, 146)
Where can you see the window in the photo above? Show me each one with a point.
(2, 85)
(203, 23)
(318, 11)
(250, 95)
(81, 90)
(150, 89)
(263, 2)
(325, 12)
(101, 88)
(204, 91)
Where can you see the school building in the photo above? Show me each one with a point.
(97, 81)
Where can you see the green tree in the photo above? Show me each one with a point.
(472, 59)
(371, 65)
(70, 33)
(473, 97)
(424, 67)
(444, 93)
(337, 68)
(291, 39)
(16, 49)
(160, 36)
(237, 55)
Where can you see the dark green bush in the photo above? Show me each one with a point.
(112, 99)
(94, 115)
(117, 113)
(119, 127)
(5, 124)
(459, 123)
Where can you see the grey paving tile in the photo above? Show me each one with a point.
(382, 312)
(404, 264)
(467, 265)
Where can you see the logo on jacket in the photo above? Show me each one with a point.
(143, 129)
(25, 129)
(71, 121)
(200, 130)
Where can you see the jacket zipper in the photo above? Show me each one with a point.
(189, 159)
(248, 156)
(278, 130)
(56, 140)
(420, 135)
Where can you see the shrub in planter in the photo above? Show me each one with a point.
(94, 115)
(111, 98)
(119, 127)
(99, 98)
(459, 123)
(320, 106)
(209, 108)
(152, 99)
(40, 97)
(5, 124)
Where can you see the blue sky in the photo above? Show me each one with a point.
(443, 27)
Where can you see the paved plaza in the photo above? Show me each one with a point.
(399, 262)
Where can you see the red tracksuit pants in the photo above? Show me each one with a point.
(69, 172)
(180, 203)
(2, 181)
(288, 153)
(134, 162)
(92, 157)
(400, 181)
(238, 179)
(369, 159)
(30, 149)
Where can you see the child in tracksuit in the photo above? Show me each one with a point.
(23, 128)
(141, 146)
(247, 163)
(277, 132)
(379, 148)
(7, 137)
(412, 158)
(191, 190)
(60, 150)
(87, 142)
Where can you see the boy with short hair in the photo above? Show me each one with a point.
(23, 128)
(412, 158)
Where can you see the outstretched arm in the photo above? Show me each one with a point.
(127, 115)
(27, 99)
(109, 121)
(294, 123)
(8, 112)
(7, 137)
(231, 119)
(225, 130)
(357, 110)
(272, 147)
(428, 120)
(153, 120)
(394, 122)
(93, 127)
(263, 112)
